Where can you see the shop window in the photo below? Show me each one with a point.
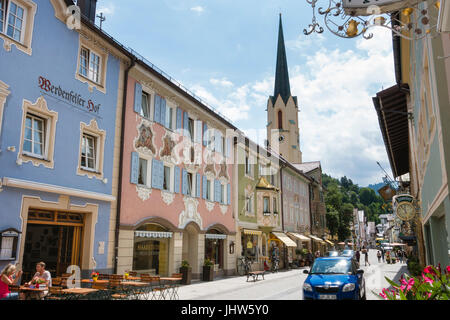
(16, 23)
(214, 247)
(250, 246)
(8, 244)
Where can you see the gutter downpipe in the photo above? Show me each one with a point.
(119, 192)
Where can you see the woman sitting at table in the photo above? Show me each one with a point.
(42, 275)
(9, 276)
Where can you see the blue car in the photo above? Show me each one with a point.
(334, 278)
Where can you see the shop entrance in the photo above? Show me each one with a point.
(54, 238)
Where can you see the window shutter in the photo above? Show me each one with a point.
(228, 194)
(134, 174)
(163, 111)
(176, 182)
(205, 137)
(186, 123)
(184, 182)
(179, 120)
(204, 185)
(137, 97)
(157, 174)
(197, 194)
(157, 111)
(217, 190)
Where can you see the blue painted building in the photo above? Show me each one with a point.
(61, 91)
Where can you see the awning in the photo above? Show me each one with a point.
(153, 234)
(329, 242)
(317, 239)
(379, 239)
(285, 239)
(215, 236)
(299, 236)
(396, 244)
(253, 232)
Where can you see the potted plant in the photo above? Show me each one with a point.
(208, 270)
(186, 270)
(94, 276)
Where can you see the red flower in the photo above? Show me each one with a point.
(427, 280)
(448, 269)
(429, 269)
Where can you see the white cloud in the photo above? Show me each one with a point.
(198, 9)
(108, 9)
(221, 82)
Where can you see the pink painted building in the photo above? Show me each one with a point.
(177, 172)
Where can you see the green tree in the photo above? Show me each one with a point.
(367, 196)
(332, 220)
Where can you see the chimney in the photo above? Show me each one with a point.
(87, 8)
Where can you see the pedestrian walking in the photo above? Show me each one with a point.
(357, 256)
(379, 256)
(382, 254)
(309, 258)
(400, 256)
(366, 258)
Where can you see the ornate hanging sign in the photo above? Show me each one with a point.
(404, 207)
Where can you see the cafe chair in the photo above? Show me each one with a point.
(177, 275)
(55, 293)
(133, 273)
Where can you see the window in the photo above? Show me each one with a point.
(142, 178)
(166, 184)
(249, 207)
(248, 165)
(208, 190)
(190, 185)
(34, 141)
(169, 117)
(222, 193)
(88, 152)
(145, 110)
(266, 205)
(275, 208)
(12, 20)
(280, 119)
(191, 128)
(90, 65)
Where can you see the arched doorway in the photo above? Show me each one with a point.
(151, 249)
(214, 247)
(190, 247)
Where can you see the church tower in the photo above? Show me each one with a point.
(283, 133)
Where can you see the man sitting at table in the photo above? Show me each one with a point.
(41, 274)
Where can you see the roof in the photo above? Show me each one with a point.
(392, 112)
(282, 86)
(307, 166)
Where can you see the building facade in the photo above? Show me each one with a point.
(417, 139)
(176, 183)
(60, 104)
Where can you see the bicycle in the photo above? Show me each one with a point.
(244, 266)
(275, 265)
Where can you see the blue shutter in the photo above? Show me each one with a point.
(134, 174)
(186, 123)
(204, 185)
(217, 190)
(228, 194)
(176, 182)
(179, 120)
(198, 186)
(157, 174)
(137, 97)
(157, 111)
(205, 137)
(163, 111)
(184, 182)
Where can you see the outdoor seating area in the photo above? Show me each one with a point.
(106, 287)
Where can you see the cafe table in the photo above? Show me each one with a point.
(76, 293)
(130, 278)
(89, 282)
(32, 292)
(172, 286)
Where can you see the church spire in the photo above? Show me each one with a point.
(282, 85)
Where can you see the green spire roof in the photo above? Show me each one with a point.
(282, 85)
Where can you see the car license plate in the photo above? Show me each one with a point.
(327, 297)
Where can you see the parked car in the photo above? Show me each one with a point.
(348, 253)
(332, 254)
(334, 278)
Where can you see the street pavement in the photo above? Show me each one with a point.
(285, 285)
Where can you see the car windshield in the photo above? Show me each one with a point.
(347, 252)
(332, 266)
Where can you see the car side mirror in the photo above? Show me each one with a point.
(306, 271)
(359, 271)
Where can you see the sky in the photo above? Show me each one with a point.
(225, 52)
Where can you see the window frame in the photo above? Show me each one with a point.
(6, 21)
(149, 97)
(100, 69)
(268, 211)
(171, 117)
(95, 140)
(148, 182)
(171, 176)
(31, 153)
